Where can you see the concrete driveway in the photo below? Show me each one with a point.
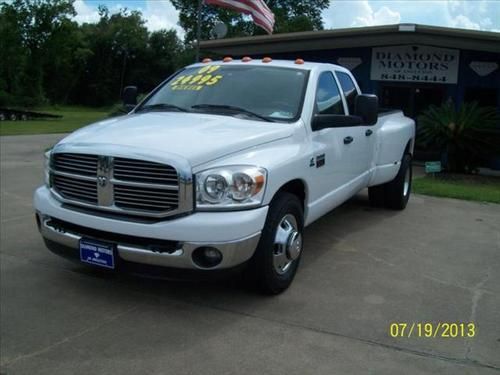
(363, 269)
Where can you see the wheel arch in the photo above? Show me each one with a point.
(296, 187)
(410, 146)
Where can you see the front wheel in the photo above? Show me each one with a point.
(277, 257)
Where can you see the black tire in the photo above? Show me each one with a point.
(393, 194)
(396, 195)
(376, 195)
(262, 270)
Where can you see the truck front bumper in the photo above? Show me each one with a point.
(168, 243)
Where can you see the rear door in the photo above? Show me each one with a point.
(363, 146)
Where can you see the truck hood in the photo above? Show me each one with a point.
(198, 138)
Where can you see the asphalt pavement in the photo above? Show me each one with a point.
(362, 270)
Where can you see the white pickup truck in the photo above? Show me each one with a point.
(222, 165)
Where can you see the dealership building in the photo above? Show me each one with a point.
(408, 66)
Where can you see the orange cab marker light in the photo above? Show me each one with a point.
(246, 59)
(299, 61)
(227, 59)
(206, 60)
(267, 60)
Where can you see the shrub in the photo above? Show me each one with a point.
(464, 135)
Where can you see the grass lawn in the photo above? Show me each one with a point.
(73, 118)
(468, 187)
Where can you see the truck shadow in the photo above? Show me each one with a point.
(334, 230)
(323, 239)
(329, 280)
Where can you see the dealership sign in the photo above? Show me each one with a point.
(414, 64)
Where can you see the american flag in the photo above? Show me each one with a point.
(260, 12)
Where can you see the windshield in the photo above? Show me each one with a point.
(265, 93)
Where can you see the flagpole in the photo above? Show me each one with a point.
(198, 31)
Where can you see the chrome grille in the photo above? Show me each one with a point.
(131, 197)
(74, 188)
(124, 185)
(144, 171)
(75, 163)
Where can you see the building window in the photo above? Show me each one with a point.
(328, 99)
(349, 89)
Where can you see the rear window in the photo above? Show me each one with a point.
(349, 90)
(328, 99)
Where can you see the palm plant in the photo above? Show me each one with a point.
(464, 135)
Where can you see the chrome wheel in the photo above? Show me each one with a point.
(406, 185)
(287, 244)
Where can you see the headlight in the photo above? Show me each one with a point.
(233, 187)
(46, 168)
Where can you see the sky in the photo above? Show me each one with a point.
(465, 14)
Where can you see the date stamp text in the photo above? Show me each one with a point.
(432, 330)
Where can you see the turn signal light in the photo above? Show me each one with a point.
(227, 59)
(267, 60)
(246, 59)
(299, 61)
(259, 183)
(206, 60)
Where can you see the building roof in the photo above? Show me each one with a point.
(357, 37)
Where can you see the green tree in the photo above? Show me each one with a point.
(161, 60)
(33, 24)
(290, 16)
(70, 54)
(46, 56)
(117, 42)
(13, 57)
(125, 53)
(297, 15)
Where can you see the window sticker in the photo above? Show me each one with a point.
(195, 82)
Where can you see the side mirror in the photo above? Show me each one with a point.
(334, 121)
(366, 107)
(130, 97)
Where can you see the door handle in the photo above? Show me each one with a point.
(368, 132)
(348, 140)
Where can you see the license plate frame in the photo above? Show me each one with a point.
(97, 253)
